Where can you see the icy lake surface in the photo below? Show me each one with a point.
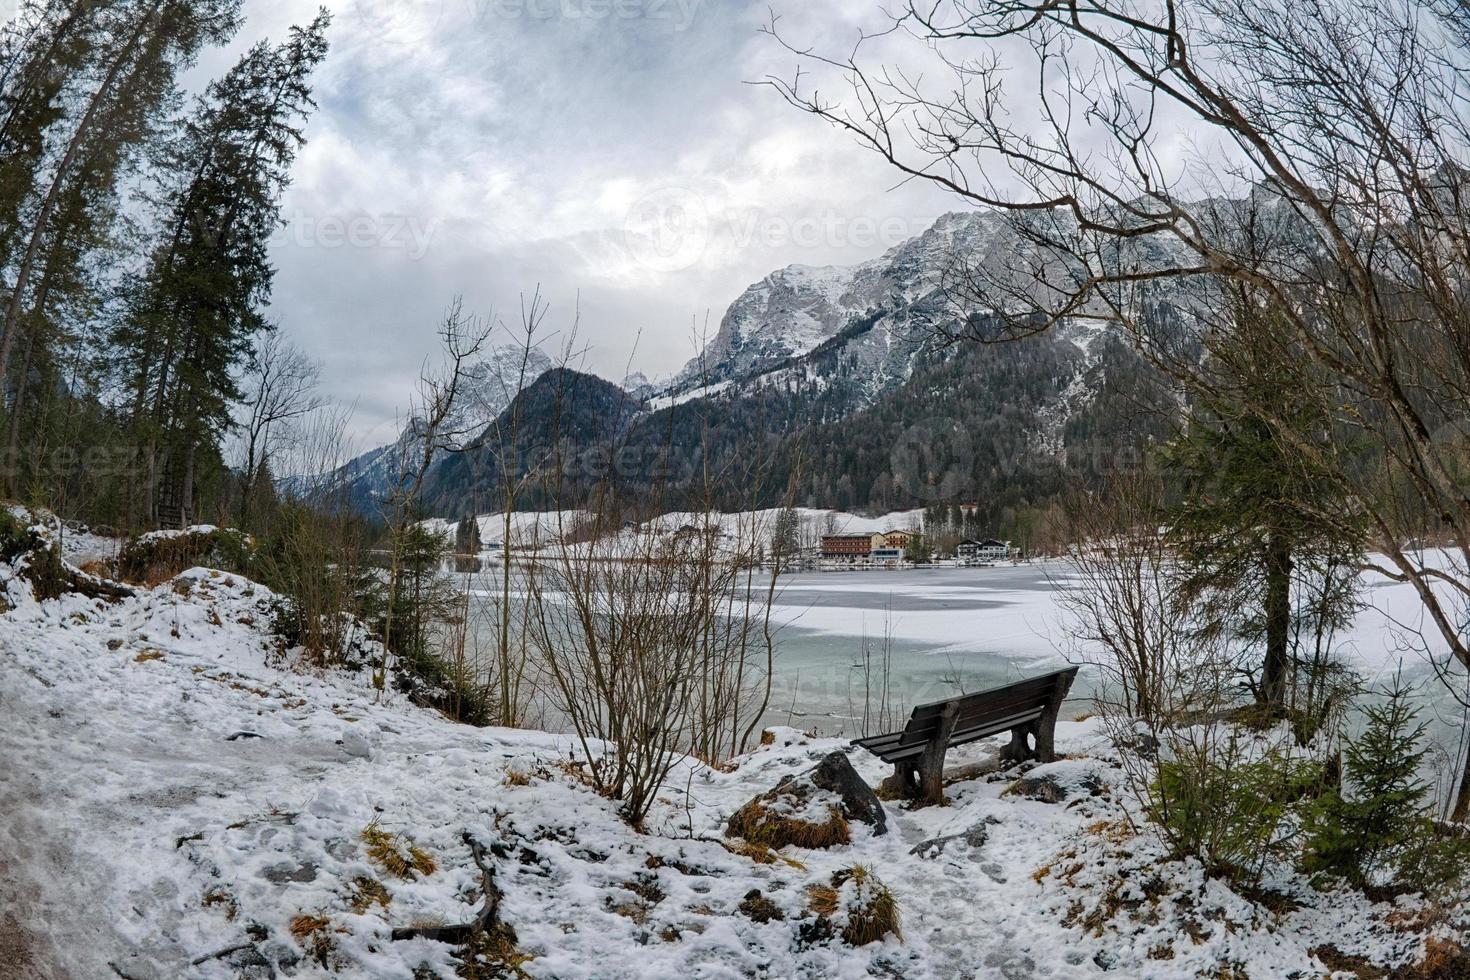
(948, 630)
(945, 630)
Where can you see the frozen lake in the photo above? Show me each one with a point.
(948, 630)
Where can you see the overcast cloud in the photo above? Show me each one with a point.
(607, 151)
(611, 153)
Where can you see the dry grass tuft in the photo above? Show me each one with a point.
(493, 955)
(1444, 959)
(874, 914)
(759, 853)
(822, 899)
(870, 908)
(367, 892)
(313, 934)
(223, 899)
(1112, 831)
(397, 854)
(148, 655)
(758, 823)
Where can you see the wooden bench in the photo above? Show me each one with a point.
(1027, 709)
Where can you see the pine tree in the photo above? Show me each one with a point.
(1375, 829)
(786, 538)
(83, 92)
(1256, 510)
(138, 49)
(192, 315)
(467, 535)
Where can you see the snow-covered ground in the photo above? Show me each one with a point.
(176, 787)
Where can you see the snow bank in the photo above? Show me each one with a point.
(182, 788)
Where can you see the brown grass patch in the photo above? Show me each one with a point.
(493, 955)
(759, 853)
(757, 823)
(367, 892)
(1444, 959)
(148, 655)
(223, 899)
(397, 854)
(313, 934)
(759, 908)
(890, 794)
(822, 899)
(1112, 831)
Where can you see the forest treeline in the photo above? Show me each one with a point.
(134, 229)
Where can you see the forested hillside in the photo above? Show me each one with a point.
(134, 223)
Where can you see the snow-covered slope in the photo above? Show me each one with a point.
(183, 800)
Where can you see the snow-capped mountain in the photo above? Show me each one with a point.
(820, 379)
(487, 389)
(880, 314)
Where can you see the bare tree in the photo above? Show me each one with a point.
(1120, 593)
(280, 388)
(656, 644)
(655, 635)
(432, 430)
(1353, 145)
(513, 472)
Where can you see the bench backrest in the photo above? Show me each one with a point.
(989, 712)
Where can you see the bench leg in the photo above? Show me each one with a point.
(1046, 728)
(1019, 747)
(1046, 734)
(901, 785)
(931, 763)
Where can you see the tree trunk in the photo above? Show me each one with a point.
(53, 194)
(1460, 812)
(1274, 673)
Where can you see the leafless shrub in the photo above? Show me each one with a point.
(655, 644)
(1123, 612)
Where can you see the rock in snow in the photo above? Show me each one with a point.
(812, 809)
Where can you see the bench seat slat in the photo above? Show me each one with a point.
(978, 715)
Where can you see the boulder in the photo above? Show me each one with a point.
(836, 775)
(1058, 781)
(812, 809)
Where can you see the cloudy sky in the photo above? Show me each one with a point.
(609, 152)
